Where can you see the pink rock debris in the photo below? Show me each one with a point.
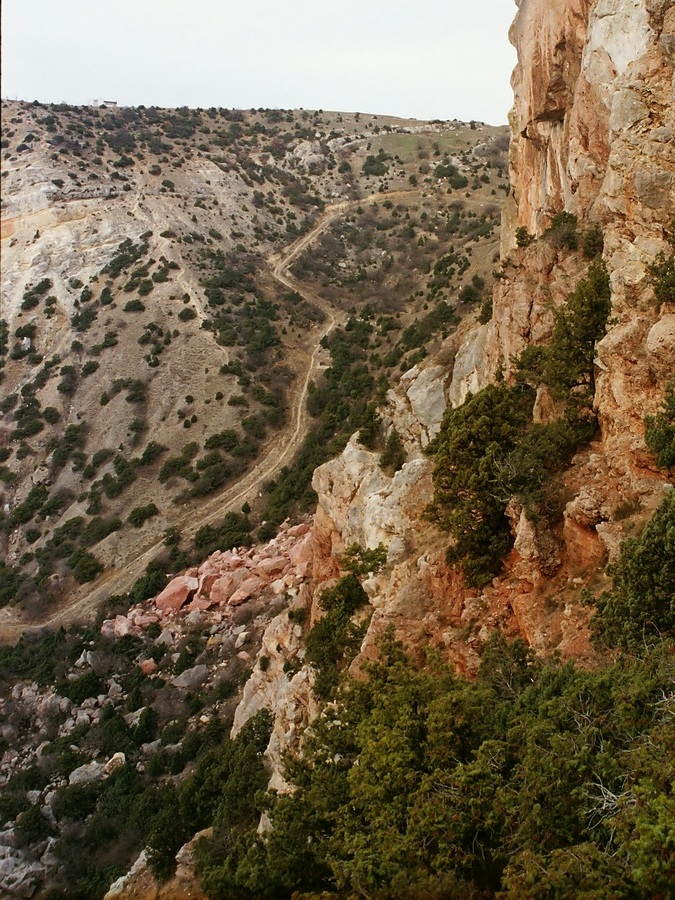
(222, 589)
(298, 530)
(301, 555)
(246, 589)
(266, 568)
(176, 593)
(148, 666)
(122, 626)
(200, 603)
(108, 629)
(206, 582)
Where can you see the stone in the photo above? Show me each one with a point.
(87, 773)
(116, 761)
(298, 530)
(176, 593)
(148, 667)
(301, 555)
(122, 627)
(267, 568)
(246, 590)
(191, 679)
(654, 188)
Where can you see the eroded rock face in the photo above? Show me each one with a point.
(592, 134)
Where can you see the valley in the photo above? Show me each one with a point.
(337, 465)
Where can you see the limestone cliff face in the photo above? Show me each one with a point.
(592, 134)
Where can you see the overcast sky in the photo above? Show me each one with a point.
(414, 58)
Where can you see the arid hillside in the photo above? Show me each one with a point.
(161, 321)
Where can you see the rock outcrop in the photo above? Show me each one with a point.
(592, 135)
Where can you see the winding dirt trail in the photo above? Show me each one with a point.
(83, 602)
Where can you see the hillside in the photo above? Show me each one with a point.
(433, 653)
(156, 350)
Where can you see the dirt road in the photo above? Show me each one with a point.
(85, 600)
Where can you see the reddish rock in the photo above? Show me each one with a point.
(229, 561)
(246, 590)
(108, 629)
(176, 593)
(298, 530)
(142, 619)
(206, 581)
(199, 603)
(148, 666)
(267, 568)
(122, 626)
(222, 589)
(301, 555)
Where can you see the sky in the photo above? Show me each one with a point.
(422, 59)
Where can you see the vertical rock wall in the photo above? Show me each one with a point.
(593, 127)
(592, 134)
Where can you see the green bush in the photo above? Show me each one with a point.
(662, 277)
(640, 607)
(660, 431)
(140, 514)
(471, 476)
(334, 640)
(563, 233)
(134, 305)
(523, 237)
(393, 456)
(593, 242)
(530, 781)
(84, 566)
(80, 688)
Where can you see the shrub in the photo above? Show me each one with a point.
(89, 368)
(563, 232)
(394, 455)
(641, 603)
(51, 415)
(234, 531)
(84, 565)
(80, 688)
(593, 242)
(660, 431)
(82, 320)
(141, 514)
(523, 237)
(662, 277)
(334, 640)
(134, 305)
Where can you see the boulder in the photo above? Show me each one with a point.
(222, 589)
(301, 555)
(267, 568)
(176, 593)
(116, 761)
(246, 589)
(191, 679)
(122, 627)
(148, 666)
(87, 773)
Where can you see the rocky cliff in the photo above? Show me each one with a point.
(592, 136)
